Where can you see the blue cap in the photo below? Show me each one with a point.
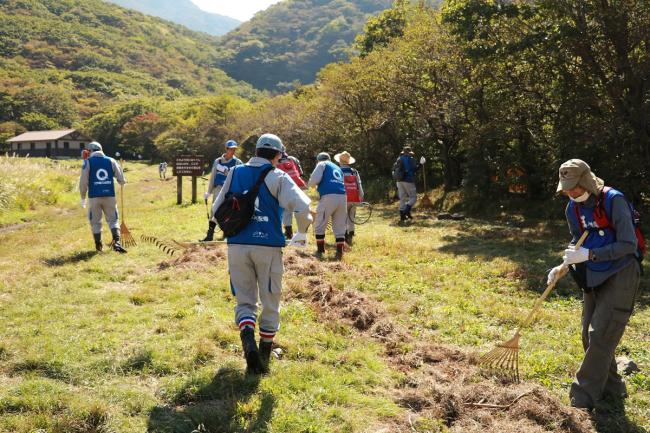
(231, 144)
(269, 141)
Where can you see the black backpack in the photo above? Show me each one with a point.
(398, 170)
(237, 210)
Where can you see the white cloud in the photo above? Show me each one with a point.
(242, 10)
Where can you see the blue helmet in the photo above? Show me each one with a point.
(230, 144)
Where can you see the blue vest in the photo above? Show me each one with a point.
(408, 168)
(100, 181)
(265, 228)
(332, 181)
(598, 236)
(220, 178)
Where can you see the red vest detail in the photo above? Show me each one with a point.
(352, 188)
(290, 167)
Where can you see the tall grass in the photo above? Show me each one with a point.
(26, 183)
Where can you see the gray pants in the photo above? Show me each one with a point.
(605, 314)
(407, 194)
(215, 192)
(332, 206)
(103, 205)
(352, 212)
(256, 274)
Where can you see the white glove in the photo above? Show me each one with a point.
(222, 169)
(205, 196)
(553, 275)
(83, 203)
(572, 256)
(423, 160)
(298, 240)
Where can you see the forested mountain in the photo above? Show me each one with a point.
(183, 12)
(292, 40)
(63, 60)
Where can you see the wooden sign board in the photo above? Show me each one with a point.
(188, 165)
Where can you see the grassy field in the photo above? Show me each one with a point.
(382, 342)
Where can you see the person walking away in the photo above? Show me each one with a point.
(404, 171)
(291, 166)
(353, 191)
(220, 169)
(162, 170)
(327, 177)
(96, 181)
(607, 268)
(255, 253)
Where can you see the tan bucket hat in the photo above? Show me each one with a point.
(344, 158)
(576, 172)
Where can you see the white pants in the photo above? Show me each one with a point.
(332, 206)
(407, 194)
(106, 206)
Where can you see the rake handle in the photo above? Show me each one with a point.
(550, 287)
(122, 202)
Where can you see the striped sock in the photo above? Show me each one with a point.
(267, 336)
(246, 322)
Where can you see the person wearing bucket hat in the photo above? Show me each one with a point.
(96, 180)
(220, 169)
(327, 177)
(404, 170)
(607, 270)
(255, 253)
(291, 166)
(353, 190)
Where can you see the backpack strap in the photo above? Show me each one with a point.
(256, 188)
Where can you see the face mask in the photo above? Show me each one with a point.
(581, 198)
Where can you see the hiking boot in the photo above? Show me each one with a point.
(349, 238)
(209, 237)
(265, 355)
(320, 249)
(117, 246)
(288, 232)
(98, 242)
(402, 216)
(251, 353)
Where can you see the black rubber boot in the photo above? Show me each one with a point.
(209, 237)
(98, 242)
(265, 355)
(340, 244)
(407, 212)
(320, 248)
(117, 246)
(402, 216)
(288, 232)
(349, 238)
(251, 353)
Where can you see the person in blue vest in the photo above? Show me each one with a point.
(220, 170)
(96, 180)
(255, 254)
(404, 173)
(327, 177)
(607, 269)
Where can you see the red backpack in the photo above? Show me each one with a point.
(601, 218)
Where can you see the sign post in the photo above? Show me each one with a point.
(187, 165)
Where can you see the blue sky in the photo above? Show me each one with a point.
(242, 10)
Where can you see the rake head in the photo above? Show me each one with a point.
(127, 239)
(503, 360)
